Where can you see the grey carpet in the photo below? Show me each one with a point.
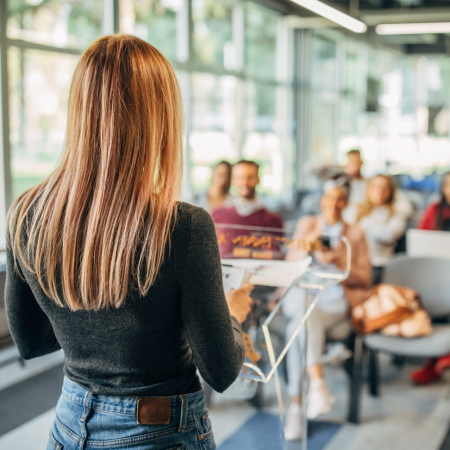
(30, 398)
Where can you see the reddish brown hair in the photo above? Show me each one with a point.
(103, 217)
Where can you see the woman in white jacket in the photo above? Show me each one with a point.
(383, 224)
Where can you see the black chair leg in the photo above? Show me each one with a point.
(373, 373)
(355, 381)
(398, 361)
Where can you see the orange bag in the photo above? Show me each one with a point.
(393, 310)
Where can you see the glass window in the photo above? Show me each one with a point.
(60, 23)
(324, 63)
(212, 136)
(261, 27)
(324, 98)
(39, 88)
(351, 72)
(262, 138)
(213, 32)
(154, 21)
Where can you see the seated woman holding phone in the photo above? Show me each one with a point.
(331, 315)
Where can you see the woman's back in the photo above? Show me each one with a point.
(151, 345)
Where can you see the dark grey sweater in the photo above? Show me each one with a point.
(151, 346)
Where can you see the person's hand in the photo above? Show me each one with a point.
(312, 237)
(239, 302)
(327, 256)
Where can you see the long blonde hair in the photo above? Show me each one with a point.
(367, 207)
(104, 217)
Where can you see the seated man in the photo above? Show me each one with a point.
(247, 211)
(331, 315)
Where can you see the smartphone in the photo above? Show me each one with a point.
(326, 242)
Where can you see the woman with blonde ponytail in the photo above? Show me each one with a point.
(106, 264)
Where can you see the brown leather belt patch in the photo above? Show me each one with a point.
(153, 411)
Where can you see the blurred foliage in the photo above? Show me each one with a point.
(69, 23)
(212, 29)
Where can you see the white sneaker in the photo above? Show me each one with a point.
(320, 399)
(336, 354)
(293, 430)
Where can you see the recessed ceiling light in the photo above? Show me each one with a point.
(333, 14)
(413, 28)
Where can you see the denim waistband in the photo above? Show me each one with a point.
(127, 405)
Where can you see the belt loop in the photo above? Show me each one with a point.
(183, 418)
(83, 419)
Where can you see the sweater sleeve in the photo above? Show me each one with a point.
(30, 327)
(214, 336)
(387, 232)
(429, 218)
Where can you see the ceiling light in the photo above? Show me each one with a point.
(413, 28)
(333, 14)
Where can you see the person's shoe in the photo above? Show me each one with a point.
(426, 374)
(442, 363)
(320, 399)
(337, 354)
(293, 430)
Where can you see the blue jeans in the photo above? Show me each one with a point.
(88, 421)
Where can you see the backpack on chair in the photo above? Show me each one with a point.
(392, 310)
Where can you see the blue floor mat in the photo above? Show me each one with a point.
(263, 432)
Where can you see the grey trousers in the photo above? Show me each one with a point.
(321, 325)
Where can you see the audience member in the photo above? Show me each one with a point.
(247, 209)
(358, 184)
(218, 194)
(358, 188)
(436, 217)
(381, 222)
(331, 315)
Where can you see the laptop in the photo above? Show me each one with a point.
(433, 244)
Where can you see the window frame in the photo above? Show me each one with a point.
(185, 62)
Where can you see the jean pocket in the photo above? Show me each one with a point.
(205, 422)
(54, 443)
(205, 431)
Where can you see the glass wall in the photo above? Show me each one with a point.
(65, 24)
(38, 94)
(234, 86)
(394, 107)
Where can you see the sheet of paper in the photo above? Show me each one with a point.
(271, 273)
(234, 277)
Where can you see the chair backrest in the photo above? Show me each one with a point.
(430, 277)
(428, 243)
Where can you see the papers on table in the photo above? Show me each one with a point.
(234, 277)
(270, 273)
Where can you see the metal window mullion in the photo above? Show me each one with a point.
(5, 163)
(184, 62)
(110, 24)
(238, 26)
(48, 48)
(184, 33)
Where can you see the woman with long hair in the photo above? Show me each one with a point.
(105, 264)
(383, 225)
(437, 215)
(218, 194)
